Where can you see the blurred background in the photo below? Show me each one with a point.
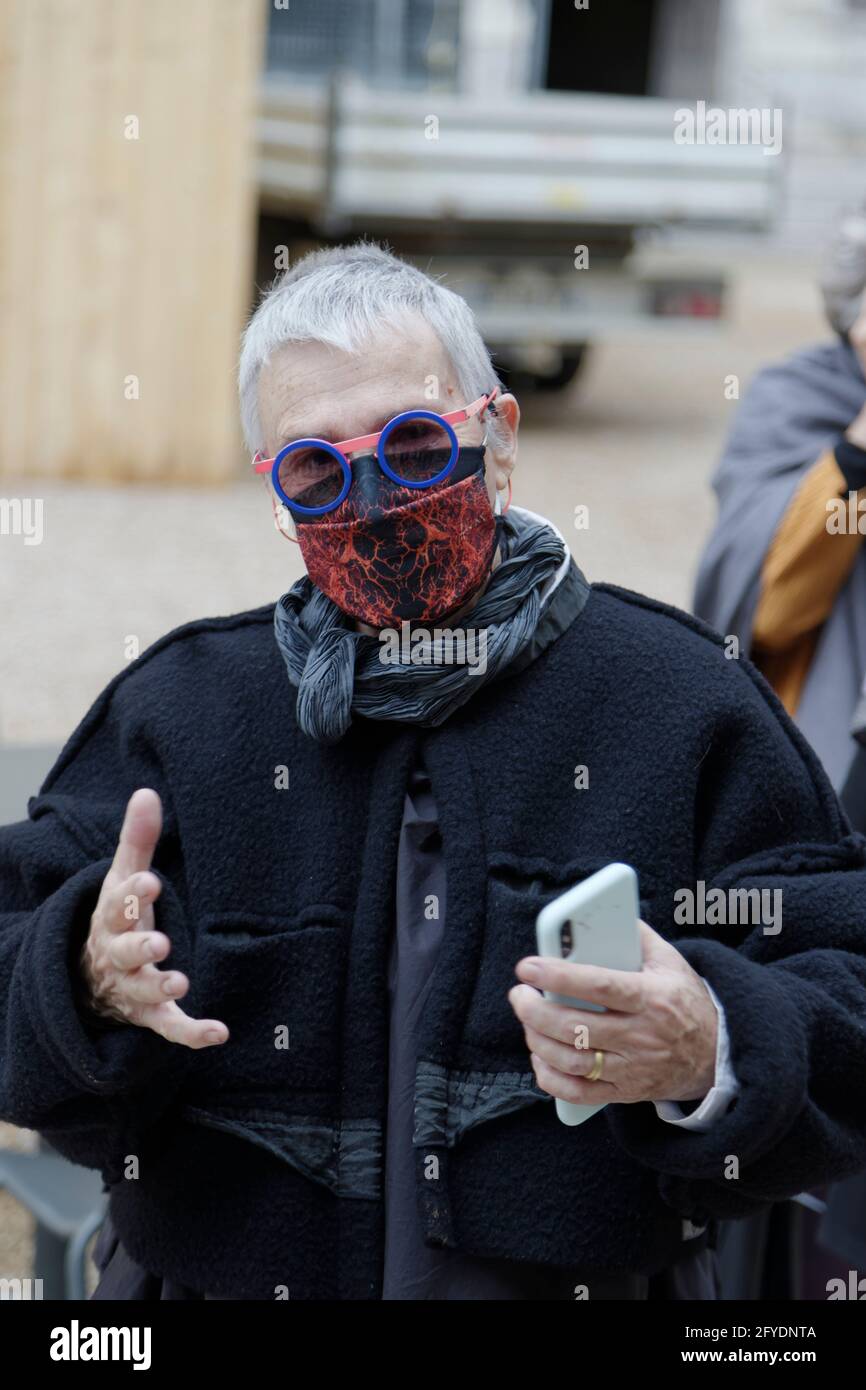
(163, 162)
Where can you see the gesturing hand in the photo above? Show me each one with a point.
(118, 958)
(658, 1038)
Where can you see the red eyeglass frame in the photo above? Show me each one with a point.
(365, 441)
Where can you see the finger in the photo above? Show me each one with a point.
(653, 945)
(151, 986)
(571, 1060)
(615, 989)
(572, 1088)
(175, 1026)
(132, 949)
(141, 829)
(559, 1021)
(129, 903)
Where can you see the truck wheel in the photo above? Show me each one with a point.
(519, 379)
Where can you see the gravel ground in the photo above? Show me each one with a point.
(635, 441)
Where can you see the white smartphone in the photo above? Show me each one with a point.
(594, 923)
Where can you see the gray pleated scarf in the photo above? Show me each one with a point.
(533, 595)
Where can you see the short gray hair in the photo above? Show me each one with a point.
(843, 275)
(340, 296)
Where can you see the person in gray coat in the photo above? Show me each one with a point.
(784, 571)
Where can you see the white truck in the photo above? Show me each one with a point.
(532, 202)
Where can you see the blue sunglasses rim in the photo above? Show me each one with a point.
(346, 468)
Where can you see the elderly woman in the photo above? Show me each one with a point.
(332, 846)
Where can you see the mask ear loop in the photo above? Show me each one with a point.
(499, 510)
(283, 532)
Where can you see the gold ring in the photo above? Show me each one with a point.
(596, 1066)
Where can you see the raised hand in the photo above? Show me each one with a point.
(118, 961)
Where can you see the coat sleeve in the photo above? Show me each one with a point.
(793, 989)
(772, 444)
(84, 1086)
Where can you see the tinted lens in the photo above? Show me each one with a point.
(311, 477)
(416, 450)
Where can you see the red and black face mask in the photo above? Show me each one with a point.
(390, 553)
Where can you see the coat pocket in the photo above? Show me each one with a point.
(277, 983)
(518, 887)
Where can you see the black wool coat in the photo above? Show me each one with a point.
(259, 1167)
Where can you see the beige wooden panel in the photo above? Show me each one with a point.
(125, 258)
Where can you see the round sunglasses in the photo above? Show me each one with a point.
(416, 449)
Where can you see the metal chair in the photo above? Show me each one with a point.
(68, 1203)
(66, 1200)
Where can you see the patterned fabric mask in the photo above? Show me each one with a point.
(390, 553)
